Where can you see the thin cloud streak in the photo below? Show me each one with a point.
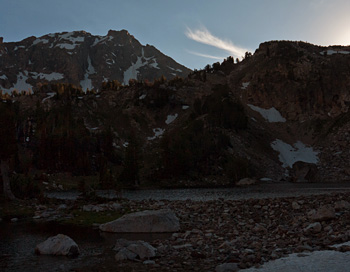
(205, 55)
(205, 37)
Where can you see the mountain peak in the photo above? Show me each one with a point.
(83, 59)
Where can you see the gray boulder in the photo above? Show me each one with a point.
(246, 182)
(313, 228)
(125, 254)
(142, 249)
(130, 250)
(58, 245)
(143, 222)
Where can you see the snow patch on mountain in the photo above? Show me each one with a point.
(143, 96)
(21, 84)
(49, 77)
(271, 115)
(289, 154)
(332, 52)
(40, 40)
(101, 39)
(171, 118)
(176, 70)
(154, 64)
(18, 47)
(245, 85)
(50, 95)
(132, 72)
(86, 83)
(74, 41)
(3, 77)
(157, 133)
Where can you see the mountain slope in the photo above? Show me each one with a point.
(81, 59)
(280, 114)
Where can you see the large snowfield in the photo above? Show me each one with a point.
(291, 154)
(271, 115)
(317, 261)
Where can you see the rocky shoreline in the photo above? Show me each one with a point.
(246, 233)
(242, 233)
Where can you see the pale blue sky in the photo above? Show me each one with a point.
(185, 30)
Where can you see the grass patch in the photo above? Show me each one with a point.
(83, 218)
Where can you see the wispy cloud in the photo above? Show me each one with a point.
(205, 55)
(204, 36)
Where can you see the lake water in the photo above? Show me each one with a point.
(264, 190)
(19, 239)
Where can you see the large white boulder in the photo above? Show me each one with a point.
(145, 221)
(58, 245)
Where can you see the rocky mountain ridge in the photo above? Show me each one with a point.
(82, 59)
(280, 114)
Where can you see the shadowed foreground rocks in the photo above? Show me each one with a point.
(240, 234)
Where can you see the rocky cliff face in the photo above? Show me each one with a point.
(300, 80)
(82, 59)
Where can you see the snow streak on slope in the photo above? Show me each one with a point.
(86, 82)
(158, 132)
(49, 77)
(171, 118)
(132, 72)
(271, 115)
(332, 52)
(289, 155)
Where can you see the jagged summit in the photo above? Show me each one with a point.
(83, 59)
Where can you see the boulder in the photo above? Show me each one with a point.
(142, 249)
(313, 228)
(304, 172)
(143, 222)
(342, 205)
(130, 250)
(58, 245)
(322, 214)
(246, 181)
(125, 254)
